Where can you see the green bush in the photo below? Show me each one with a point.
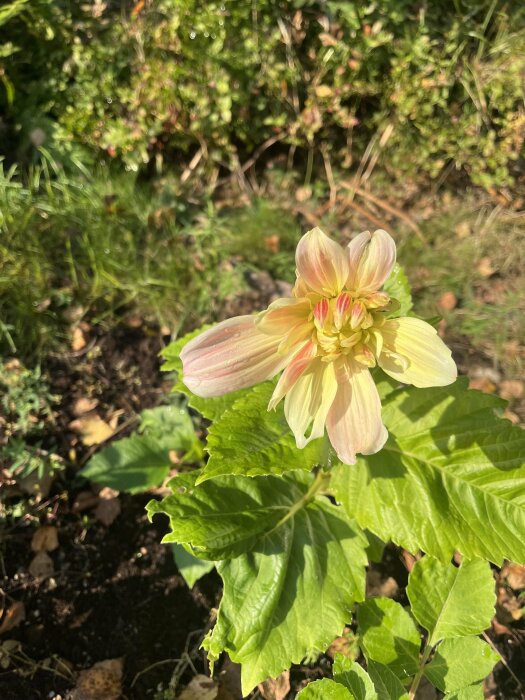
(180, 81)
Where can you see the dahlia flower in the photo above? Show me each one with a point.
(326, 337)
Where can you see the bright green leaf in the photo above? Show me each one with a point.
(389, 635)
(190, 568)
(473, 692)
(460, 662)
(133, 464)
(450, 478)
(291, 595)
(387, 684)
(398, 287)
(325, 689)
(225, 517)
(171, 426)
(451, 601)
(354, 677)
(249, 440)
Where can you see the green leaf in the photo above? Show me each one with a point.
(387, 684)
(249, 440)
(190, 568)
(473, 692)
(451, 601)
(398, 287)
(225, 517)
(133, 464)
(354, 677)
(325, 689)
(291, 594)
(139, 462)
(450, 478)
(460, 662)
(172, 427)
(389, 635)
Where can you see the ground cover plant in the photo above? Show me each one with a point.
(160, 164)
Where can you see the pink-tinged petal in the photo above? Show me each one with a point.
(292, 373)
(321, 312)
(321, 263)
(232, 355)
(282, 315)
(308, 401)
(371, 259)
(342, 306)
(354, 422)
(413, 353)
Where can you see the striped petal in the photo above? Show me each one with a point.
(309, 400)
(291, 374)
(413, 353)
(371, 259)
(282, 315)
(321, 263)
(232, 355)
(354, 422)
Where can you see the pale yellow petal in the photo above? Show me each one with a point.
(232, 355)
(413, 353)
(308, 401)
(282, 315)
(371, 259)
(298, 365)
(354, 422)
(322, 264)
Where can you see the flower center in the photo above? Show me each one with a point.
(348, 325)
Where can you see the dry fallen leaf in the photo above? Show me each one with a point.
(92, 429)
(485, 268)
(462, 229)
(84, 405)
(200, 688)
(15, 614)
(323, 91)
(482, 384)
(272, 243)
(103, 681)
(511, 389)
(45, 539)
(108, 507)
(41, 566)
(78, 340)
(447, 301)
(514, 574)
(276, 688)
(302, 194)
(346, 645)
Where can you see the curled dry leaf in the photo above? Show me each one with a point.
(16, 613)
(447, 301)
(103, 681)
(84, 405)
(45, 539)
(92, 429)
(276, 688)
(200, 688)
(511, 389)
(108, 507)
(78, 340)
(41, 566)
(514, 575)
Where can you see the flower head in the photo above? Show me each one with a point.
(326, 337)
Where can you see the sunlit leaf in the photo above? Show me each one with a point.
(190, 568)
(459, 663)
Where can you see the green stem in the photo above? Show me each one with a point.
(321, 478)
(420, 672)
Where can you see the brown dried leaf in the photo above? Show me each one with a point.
(485, 268)
(45, 539)
(200, 688)
(103, 681)
(78, 340)
(511, 389)
(84, 405)
(92, 429)
(463, 229)
(514, 574)
(15, 614)
(276, 688)
(482, 384)
(108, 507)
(447, 301)
(41, 566)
